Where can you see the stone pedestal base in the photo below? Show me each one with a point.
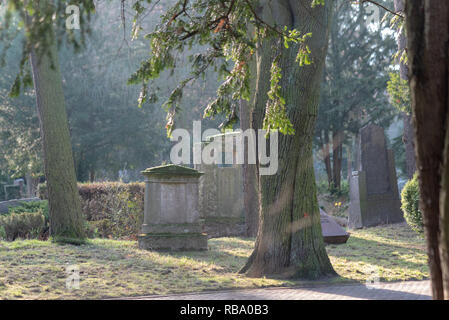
(173, 241)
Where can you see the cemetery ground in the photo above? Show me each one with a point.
(32, 269)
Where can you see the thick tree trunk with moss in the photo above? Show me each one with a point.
(289, 241)
(427, 37)
(66, 221)
(250, 186)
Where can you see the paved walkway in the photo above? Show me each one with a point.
(410, 290)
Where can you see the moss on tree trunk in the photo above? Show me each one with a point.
(289, 241)
(66, 221)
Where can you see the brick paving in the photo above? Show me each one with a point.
(409, 290)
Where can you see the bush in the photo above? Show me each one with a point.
(26, 225)
(410, 204)
(32, 206)
(112, 209)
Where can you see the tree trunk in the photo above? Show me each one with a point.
(428, 34)
(250, 187)
(31, 185)
(444, 218)
(92, 175)
(337, 153)
(349, 161)
(66, 221)
(289, 241)
(408, 139)
(327, 158)
(408, 135)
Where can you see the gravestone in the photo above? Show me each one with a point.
(221, 194)
(171, 216)
(12, 192)
(374, 195)
(332, 232)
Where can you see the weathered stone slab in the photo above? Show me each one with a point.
(171, 216)
(5, 205)
(333, 233)
(221, 201)
(374, 195)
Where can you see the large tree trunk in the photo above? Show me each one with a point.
(408, 135)
(428, 34)
(66, 221)
(289, 241)
(250, 181)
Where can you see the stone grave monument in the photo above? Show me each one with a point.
(171, 216)
(374, 195)
(221, 194)
(333, 233)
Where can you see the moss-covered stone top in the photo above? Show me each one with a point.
(171, 170)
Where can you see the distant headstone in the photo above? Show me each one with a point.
(333, 233)
(12, 192)
(374, 195)
(171, 216)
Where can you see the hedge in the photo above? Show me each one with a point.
(112, 209)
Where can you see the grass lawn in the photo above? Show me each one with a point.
(31, 269)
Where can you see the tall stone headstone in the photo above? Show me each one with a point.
(221, 193)
(374, 195)
(171, 216)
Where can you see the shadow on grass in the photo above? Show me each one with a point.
(376, 253)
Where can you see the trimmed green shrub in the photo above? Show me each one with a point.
(32, 206)
(410, 204)
(26, 225)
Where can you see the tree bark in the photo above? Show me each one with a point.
(408, 135)
(444, 218)
(327, 158)
(66, 220)
(428, 34)
(250, 187)
(409, 143)
(337, 154)
(289, 241)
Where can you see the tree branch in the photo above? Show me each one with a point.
(383, 7)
